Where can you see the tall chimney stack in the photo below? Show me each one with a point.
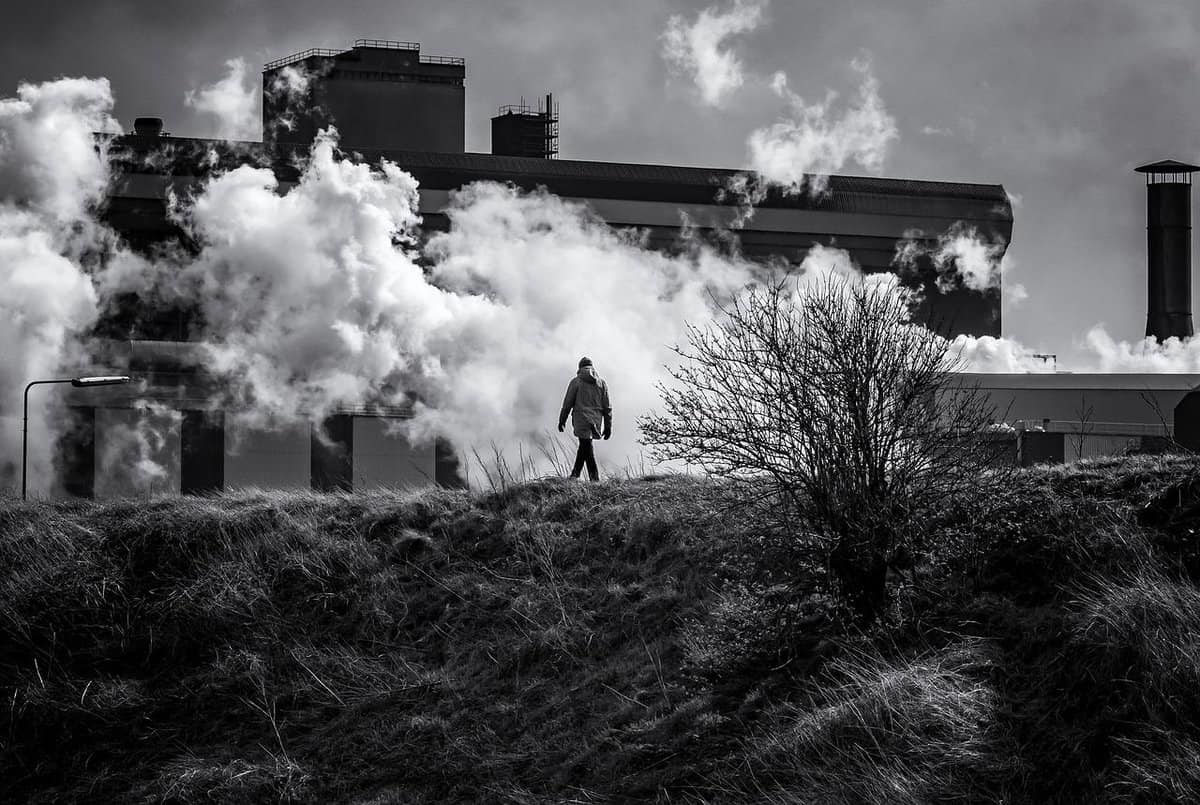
(1169, 248)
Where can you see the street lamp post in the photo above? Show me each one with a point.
(77, 382)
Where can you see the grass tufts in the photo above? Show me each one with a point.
(633, 640)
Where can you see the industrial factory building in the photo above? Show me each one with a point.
(389, 100)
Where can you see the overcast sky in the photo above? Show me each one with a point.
(1057, 100)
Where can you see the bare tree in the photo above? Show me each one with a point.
(828, 400)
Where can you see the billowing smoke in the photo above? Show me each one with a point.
(288, 95)
(52, 176)
(321, 297)
(560, 284)
(1101, 353)
(962, 256)
(989, 354)
(231, 101)
(1146, 355)
(800, 151)
(697, 49)
(137, 450)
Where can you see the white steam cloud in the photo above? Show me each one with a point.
(697, 49)
(1103, 354)
(799, 152)
(232, 101)
(53, 173)
(135, 449)
(288, 92)
(990, 355)
(319, 298)
(559, 284)
(1147, 355)
(963, 256)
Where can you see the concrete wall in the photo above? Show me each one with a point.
(385, 114)
(384, 459)
(268, 459)
(1144, 399)
(126, 452)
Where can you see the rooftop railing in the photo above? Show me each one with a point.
(456, 60)
(386, 44)
(301, 56)
(389, 44)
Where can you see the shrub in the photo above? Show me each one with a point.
(845, 413)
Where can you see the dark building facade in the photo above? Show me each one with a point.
(378, 93)
(523, 131)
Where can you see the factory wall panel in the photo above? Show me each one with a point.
(1082, 446)
(267, 459)
(1035, 447)
(383, 458)
(137, 452)
(449, 472)
(395, 115)
(1107, 405)
(202, 452)
(1187, 421)
(74, 456)
(332, 454)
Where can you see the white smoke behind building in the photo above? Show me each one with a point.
(1147, 355)
(137, 450)
(962, 256)
(559, 284)
(800, 151)
(53, 174)
(231, 101)
(320, 297)
(697, 49)
(989, 354)
(288, 94)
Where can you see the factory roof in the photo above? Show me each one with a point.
(588, 179)
(1167, 166)
(670, 174)
(1136, 381)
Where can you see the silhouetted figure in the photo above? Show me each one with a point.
(587, 402)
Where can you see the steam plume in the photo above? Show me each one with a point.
(800, 152)
(317, 298)
(231, 100)
(52, 176)
(962, 256)
(697, 49)
(1146, 355)
(988, 354)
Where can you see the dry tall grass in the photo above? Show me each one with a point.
(554, 641)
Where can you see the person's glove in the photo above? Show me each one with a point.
(608, 432)
(560, 427)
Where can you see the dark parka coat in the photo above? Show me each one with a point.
(587, 402)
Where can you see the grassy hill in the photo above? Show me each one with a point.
(625, 641)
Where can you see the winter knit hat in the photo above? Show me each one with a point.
(585, 362)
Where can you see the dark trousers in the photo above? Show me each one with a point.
(585, 456)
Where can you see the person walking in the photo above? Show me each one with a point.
(587, 403)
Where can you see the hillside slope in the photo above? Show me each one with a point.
(566, 642)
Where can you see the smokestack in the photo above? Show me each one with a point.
(1169, 248)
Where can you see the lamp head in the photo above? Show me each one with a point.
(103, 380)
